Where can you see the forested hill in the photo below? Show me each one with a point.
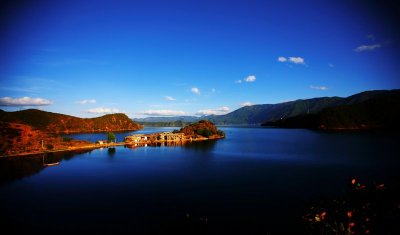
(257, 114)
(59, 123)
(262, 113)
(381, 111)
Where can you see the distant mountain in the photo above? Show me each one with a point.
(165, 124)
(49, 122)
(187, 119)
(367, 110)
(258, 114)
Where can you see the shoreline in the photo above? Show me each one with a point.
(98, 146)
(69, 149)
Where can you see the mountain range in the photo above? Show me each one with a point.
(362, 112)
(268, 113)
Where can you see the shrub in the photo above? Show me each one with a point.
(50, 146)
(67, 139)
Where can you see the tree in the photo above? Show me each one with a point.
(111, 137)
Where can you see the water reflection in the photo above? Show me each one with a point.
(205, 145)
(14, 168)
(111, 152)
(50, 160)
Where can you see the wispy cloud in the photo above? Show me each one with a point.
(246, 104)
(367, 47)
(90, 101)
(24, 101)
(371, 37)
(292, 59)
(48, 62)
(195, 90)
(213, 90)
(28, 84)
(102, 110)
(34, 89)
(163, 112)
(322, 88)
(217, 111)
(238, 81)
(169, 98)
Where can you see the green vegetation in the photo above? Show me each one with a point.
(221, 133)
(111, 137)
(67, 139)
(203, 128)
(204, 132)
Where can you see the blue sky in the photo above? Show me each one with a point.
(149, 58)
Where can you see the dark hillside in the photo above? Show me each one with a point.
(380, 112)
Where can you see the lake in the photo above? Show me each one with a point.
(255, 181)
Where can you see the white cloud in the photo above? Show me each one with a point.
(195, 90)
(291, 59)
(246, 104)
(322, 88)
(296, 60)
(367, 47)
(217, 111)
(24, 101)
(91, 101)
(103, 110)
(282, 59)
(163, 112)
(170, 98)
(250, 78)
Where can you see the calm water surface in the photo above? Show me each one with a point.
(255, 181)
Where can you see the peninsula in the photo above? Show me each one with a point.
(34, 131)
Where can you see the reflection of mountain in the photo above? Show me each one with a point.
(60, 123)
(13, 168)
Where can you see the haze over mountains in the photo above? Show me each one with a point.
(263, 113)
